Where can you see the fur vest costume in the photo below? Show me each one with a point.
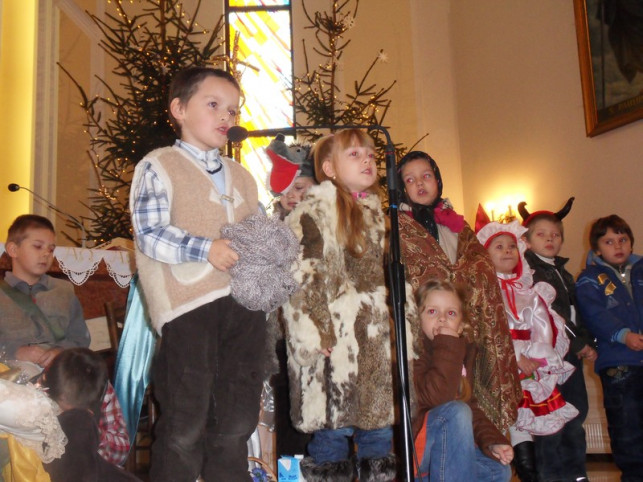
(196, 206)
(342, 304)
(496, 385)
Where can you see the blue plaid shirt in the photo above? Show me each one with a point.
(154, 234)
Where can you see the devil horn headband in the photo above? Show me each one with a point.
(527, 217)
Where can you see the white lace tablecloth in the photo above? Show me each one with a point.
(79, 264)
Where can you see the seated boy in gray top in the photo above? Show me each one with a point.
(39, 315)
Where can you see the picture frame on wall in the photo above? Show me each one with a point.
(610, 53)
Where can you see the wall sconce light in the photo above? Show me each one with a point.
(504, 211)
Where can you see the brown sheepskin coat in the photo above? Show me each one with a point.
(342, 304)
(496, 385)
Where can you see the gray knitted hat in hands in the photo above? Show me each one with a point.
(261, 279)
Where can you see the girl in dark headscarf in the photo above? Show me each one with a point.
(437, 243)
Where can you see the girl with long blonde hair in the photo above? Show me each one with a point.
(337, 324)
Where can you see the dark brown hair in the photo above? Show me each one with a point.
(601, 225)
(18, 229)
(186, 82)
(77, 377)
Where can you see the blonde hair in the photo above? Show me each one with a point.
(461, 292)
(350, 231)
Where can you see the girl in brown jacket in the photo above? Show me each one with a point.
(454, 438)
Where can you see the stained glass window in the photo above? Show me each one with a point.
(261, 33)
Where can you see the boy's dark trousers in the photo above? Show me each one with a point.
(623, 401)
(561, 456)
(208, 379)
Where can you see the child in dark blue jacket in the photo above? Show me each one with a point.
(610, 298)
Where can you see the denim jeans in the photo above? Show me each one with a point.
(334, 445)
(623, 402)
(561, 456)
(450, 453)
(208, 377)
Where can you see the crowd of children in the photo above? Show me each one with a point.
(498, 328)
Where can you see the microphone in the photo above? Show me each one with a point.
(391, 170)
(237, 134)
(292, 130)
(13, 187)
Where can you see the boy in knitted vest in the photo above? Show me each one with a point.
(209, 370)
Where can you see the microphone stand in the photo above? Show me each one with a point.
(396, 277)
(398, 296)
(68, 217)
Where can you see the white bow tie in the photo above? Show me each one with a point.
(212, 160)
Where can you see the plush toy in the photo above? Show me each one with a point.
(288, 163)
(261, 279)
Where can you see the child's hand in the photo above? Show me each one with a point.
(527, 365)
(326, 352)
(587, 352)
(37, 354)
(504, 453)
(634, 341)
(30, 353)
(447, 330)
(222, 256)
(47, 357)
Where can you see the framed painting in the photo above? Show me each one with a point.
(610, 52)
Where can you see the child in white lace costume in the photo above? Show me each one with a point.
(538, 334)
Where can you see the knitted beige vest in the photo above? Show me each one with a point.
(195, 206)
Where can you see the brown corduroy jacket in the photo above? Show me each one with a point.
(437, 373)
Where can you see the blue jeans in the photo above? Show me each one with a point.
(622, 399)
(561, 456)
(450, 453)
(334, 445)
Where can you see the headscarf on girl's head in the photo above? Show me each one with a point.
(412, 156)
(439, 211)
